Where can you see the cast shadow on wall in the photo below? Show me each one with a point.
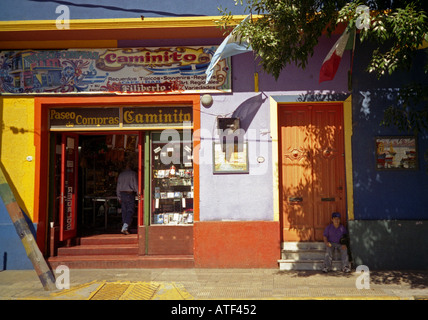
(248, 109)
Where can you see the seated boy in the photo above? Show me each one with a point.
(332, 234)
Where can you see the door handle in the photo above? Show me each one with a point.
(295, 199)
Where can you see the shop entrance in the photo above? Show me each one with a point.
(86, 165)
(312, 169)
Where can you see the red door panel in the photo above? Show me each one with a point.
(68, 196)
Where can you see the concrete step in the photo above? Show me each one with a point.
(303, 254)
(306, 256)
(103, 244)
(303, 246)
(110, 249)
(122, 261)
(307, 265)
(109, 239)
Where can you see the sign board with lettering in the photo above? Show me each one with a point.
(120, 117)
(124, 70)
(152, 116)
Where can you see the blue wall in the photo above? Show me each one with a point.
(12, 252)
(109, 9)
(390, 207)
(384, 194)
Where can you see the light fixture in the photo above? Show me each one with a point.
(207, 100)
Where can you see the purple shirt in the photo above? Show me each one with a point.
(334, 234)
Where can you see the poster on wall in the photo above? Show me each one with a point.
(124, 70)
(230, 157)
(396, 153)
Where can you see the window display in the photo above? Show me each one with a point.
(172, 179)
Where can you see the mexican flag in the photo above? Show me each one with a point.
(332, 60)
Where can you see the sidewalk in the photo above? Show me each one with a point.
(216, 284)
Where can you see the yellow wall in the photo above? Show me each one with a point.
(347, 123)
(16, 144)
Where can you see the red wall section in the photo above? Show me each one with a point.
(243, 244)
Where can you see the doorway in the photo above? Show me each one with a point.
(86, 167)
(83, 199)
(312, 169)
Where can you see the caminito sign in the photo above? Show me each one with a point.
(133, 70)
(119, 117)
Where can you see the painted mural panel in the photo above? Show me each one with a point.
(128, 70)
(397, 153)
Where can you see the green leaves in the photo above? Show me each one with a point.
(289, 30)
(410, 112)
(397, 33)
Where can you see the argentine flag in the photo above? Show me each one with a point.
(230, 46)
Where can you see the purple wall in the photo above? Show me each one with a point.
(249, 196)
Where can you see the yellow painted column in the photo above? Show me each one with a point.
(347, 121)
(275, 159)
(17, 148)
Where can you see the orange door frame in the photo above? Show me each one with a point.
(41, 142)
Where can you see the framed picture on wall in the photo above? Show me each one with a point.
(230, 157)
(396, 153)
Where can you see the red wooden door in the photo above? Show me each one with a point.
(68, 196)
(312, 174)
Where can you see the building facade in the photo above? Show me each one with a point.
(228, 171)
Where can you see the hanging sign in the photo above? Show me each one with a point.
(84, 118)
(133, 70)
(119, 117)
(152, 116)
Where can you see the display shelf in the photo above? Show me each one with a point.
(172, 183)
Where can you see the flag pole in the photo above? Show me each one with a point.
(351, 62)
(256, 74)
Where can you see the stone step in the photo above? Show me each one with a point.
(122, 261)
(109, 249)
(109, 239)
(303, 254)
(291, 264)
(114, 251)
(306, 256)
(303, 246)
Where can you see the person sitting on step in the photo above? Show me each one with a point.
(332, 236)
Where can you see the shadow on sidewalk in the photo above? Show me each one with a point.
(416, 279)
(311, 273)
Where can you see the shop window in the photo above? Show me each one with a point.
(172, 178)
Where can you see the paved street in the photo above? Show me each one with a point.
(217, 284)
